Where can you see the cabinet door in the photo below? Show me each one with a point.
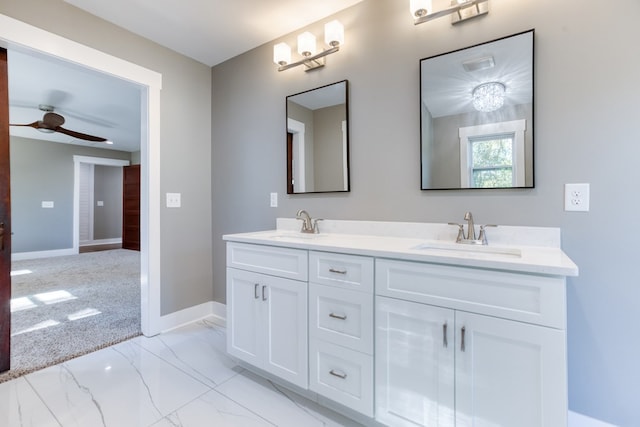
(509, 373)
(243, 315)
(285, 328)
(414, 364)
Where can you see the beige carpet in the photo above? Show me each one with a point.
(64, 307)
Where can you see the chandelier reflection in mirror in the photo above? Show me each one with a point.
(488, 97)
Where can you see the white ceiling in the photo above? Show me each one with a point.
(209, 31)
(447, 86)
(212, 31)
(91, 102)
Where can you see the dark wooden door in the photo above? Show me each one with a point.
(5, 219)
(131, 207)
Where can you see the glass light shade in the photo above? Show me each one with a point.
(281, 54)
(334, 33)
(419, 8)
(306, 44)
(488, 97)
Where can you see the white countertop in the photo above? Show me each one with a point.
(519, 249)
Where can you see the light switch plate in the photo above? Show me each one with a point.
(100, 203)
(274, 200)
(46, 204)
(173, 200)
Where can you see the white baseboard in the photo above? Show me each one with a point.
(19, 256)
(101, 242)
(212, 309)
(578, 420)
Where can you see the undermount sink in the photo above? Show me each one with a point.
(295, 235)
(469, 249)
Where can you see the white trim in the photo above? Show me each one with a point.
(517, 127)
(297, 129)
(578, 420)
(194, 314)
(345, 165)
(113, 241)
(18, 35)
(77, 160)
(19, 256)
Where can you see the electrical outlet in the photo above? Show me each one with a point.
(274, 200)
(576, 197)
(173, 200)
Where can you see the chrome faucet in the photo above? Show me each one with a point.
(470, 237)
(308, 225)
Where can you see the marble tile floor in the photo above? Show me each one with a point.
(179, 378)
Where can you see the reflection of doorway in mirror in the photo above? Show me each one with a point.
(503, 131)
(297, 130)
(345, 163)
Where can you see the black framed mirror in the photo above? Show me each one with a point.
(318, 140)
(476, 116)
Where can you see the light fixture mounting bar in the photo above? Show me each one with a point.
(463, 11)
(311, 62)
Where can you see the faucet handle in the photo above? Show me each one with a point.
(483, 235)
(460, 236)
(316, 229)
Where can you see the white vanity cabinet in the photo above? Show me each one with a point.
(462, 346)
(341, 329)
(267, 309)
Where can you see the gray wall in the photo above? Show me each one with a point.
(107, 219)
(43, 171)
(586, 94)
(185, 144)
(327, 147)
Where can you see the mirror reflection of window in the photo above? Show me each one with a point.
(491, 161)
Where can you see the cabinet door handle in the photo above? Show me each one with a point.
(340, 375)
(264, 295)
(338, 316)
(444, 335)
(255, 291)
(1, 236)
(462, 346)
(333, 270)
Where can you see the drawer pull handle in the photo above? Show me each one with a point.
(340, 375)
(333, 270)
(462, 346)
(255, 291)
(338, 316)
(444, 335)
(264, 296)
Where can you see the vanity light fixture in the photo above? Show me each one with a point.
(488, 97)
(422, 10)
(333, 36)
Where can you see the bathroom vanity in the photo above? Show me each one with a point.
(398, 323)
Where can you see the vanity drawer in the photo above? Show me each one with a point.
(341, 270)
(341, 316)
(528, 298)
(342, 375)
(272, 260)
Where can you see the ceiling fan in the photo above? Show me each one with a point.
(52, 122)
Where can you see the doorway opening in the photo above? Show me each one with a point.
(17, 35)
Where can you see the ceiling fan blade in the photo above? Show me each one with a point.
(34, 125)
(80, 135)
